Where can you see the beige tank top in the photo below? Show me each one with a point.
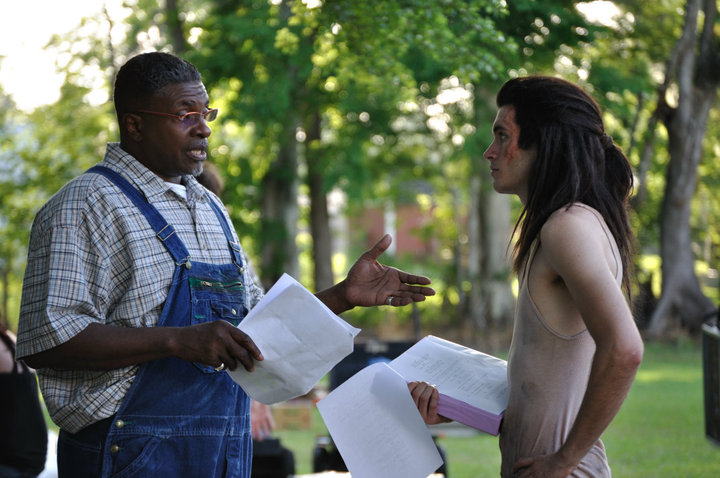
(547, 374)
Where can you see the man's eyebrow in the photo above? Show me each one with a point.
(498, 127)
(188, 103)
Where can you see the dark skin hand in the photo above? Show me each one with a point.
(219, 341)
(370, 283)
(107, 347)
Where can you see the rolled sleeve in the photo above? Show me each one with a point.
(57, 299)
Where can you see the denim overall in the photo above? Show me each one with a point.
(181, 418)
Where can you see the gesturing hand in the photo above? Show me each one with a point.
(370, 283)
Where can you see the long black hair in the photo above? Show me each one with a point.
(576, 160)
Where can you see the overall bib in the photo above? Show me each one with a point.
(181, 418)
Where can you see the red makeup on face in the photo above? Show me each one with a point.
(509, 163)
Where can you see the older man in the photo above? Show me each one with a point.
(134, 284)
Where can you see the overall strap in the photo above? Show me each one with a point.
(234, 246)
(164, 231)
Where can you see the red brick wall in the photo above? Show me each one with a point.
(407, 238)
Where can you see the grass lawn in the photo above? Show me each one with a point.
(658, 433)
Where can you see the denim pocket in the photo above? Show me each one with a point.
(134, 456)
(216, 300)
(78, 458)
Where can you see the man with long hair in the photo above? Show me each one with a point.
(575, 347)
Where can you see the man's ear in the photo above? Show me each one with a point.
(133, 125)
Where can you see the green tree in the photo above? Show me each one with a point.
(11, 172)
(335, 74)
(667, 139)
(39, 153)
(695, 69)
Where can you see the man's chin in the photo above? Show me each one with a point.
(197, 170)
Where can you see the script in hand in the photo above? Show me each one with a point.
(300, 339)
(377, 428)
(472, 385)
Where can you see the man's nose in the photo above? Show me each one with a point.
(489, 152)
(203, 128)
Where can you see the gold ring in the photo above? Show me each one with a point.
(220, 367)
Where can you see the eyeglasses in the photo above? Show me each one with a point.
(187, 120)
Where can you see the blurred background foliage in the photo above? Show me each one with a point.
(340, 120)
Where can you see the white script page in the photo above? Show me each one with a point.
(462, 373)
(300, 338)
(377, 428)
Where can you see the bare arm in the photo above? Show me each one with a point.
(370, 283)
(574, 249)
(7, 363)
(105, 347)
(261, 419)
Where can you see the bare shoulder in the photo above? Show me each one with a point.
(575, 237)
(572, 224)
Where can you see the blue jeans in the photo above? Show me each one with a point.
(180, 419)
(79, 454)
(9, 472)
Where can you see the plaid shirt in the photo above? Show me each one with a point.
(93, 258)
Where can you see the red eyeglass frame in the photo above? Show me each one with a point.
(208, 116)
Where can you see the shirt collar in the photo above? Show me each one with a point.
(149, 183)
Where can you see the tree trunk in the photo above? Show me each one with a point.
(496, 267)
(646, 156)
(662, 110)
(319, 216)
(280, 212)
(175, 27)
(111, 49)
(279, 196)
(491, 304)
(474, 307)
(682, 300)
(4, 320)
